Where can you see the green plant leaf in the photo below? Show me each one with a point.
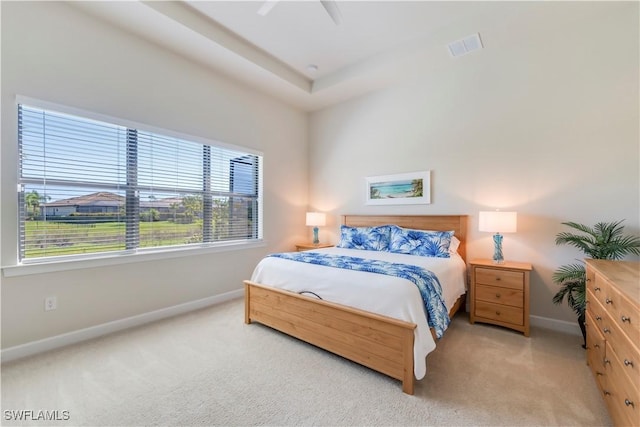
(605, 240)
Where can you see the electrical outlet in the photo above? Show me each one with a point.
(50, 303)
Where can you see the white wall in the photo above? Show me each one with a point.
(543, 121)
(53, 52)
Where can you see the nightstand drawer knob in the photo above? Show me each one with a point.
(596, 345)
(497, 313)
(608, 301)
(625, 319)
(629, 403)
(606, 393)
(497, 295)
(628, 363)
(498, 279)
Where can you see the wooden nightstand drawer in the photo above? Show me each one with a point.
(504, 279)
(502, 313)
(494, 294)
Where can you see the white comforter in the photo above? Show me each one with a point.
(387, 295)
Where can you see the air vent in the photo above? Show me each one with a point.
(465, 45)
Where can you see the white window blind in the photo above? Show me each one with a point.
(91, 187)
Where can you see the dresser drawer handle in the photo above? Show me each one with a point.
(625, 319)
(606, 330)
(598, 318)
(629, 403)
(498, 279)
(497, 295)
(628, 363)
(608, 301)
(606, 393)
(596, 345)
(599, 374)
(596, 290)
(605, 361)
(497, 313)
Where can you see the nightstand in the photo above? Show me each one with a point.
(308, 246)
(500, 294)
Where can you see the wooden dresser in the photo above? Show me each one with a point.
(613, 336)
(500, 294)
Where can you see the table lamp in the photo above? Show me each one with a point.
(315, 220)
(498, 222)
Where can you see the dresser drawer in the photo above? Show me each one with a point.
(595, 339)
(622, 411)
(501, 278)
(626, 352)
(622, 386)
(598, 286)
(596, 309)
(618, 340)
(595, 350)
(507, 296)
(502, 313)
(624, 313)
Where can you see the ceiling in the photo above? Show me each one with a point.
(376, 42)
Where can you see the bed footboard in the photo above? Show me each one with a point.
(381, 343)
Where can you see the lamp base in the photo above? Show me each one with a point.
(315, 236)
(498, 258)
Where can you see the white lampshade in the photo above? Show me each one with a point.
(498, 221)
(316, 219)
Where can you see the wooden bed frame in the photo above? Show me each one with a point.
(379, 342)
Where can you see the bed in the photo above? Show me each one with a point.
(391, 344)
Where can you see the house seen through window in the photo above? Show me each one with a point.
(91, 187)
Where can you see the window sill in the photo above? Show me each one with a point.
(77, 264)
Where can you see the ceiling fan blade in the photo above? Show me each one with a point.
(331, 6)
(267, 6)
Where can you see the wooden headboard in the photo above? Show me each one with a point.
(457, 223)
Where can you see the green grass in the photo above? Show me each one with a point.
(45, 238)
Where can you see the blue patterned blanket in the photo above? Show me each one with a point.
(427, 282)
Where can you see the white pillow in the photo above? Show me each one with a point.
(453, 246)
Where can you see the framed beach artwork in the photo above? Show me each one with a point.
(400, 189)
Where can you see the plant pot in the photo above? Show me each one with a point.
(583, 329)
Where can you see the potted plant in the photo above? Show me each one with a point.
(603, 241)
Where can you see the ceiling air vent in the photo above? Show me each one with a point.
(465, 45)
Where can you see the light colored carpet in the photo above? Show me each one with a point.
(209, 368)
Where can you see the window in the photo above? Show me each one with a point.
(91, 187)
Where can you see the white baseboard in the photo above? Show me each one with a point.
(34, 347)
(556, 325)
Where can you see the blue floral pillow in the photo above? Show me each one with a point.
(420, 242)
(366, 238)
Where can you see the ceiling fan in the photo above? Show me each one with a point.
(331, 6)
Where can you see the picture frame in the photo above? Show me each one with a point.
(400, 189)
